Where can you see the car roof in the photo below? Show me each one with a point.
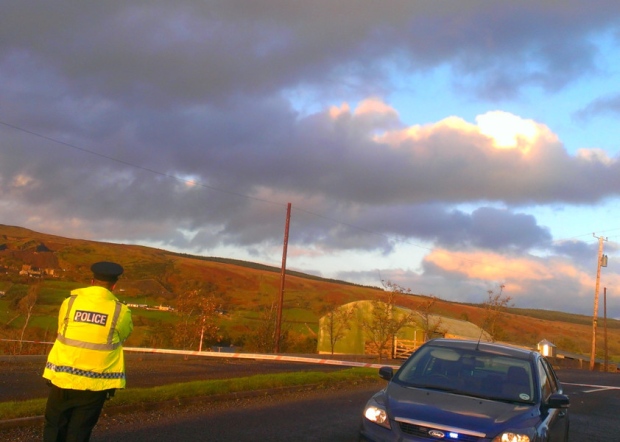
(487, 347)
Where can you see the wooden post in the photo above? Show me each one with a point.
(596, 289)
(605, 327)
(282, 277)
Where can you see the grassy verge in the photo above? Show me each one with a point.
(135, 396)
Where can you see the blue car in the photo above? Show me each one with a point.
(456, 390)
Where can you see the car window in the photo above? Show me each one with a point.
(545, 381)
(472, 372)
(551, 377)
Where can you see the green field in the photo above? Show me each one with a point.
(244, 291)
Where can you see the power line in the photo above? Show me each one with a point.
(195, 183)
(136, 166)
(217, 189)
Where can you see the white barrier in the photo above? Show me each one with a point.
(256, 356)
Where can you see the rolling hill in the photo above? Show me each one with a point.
(155, 277)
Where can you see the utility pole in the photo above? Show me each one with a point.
(596, 289)
(282, 276)
(605, 327)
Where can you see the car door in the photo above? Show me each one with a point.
(555, 419)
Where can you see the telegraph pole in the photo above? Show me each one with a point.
(605, 327)
(282, 276)
(596, 289)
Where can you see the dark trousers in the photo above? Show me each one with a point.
(71, 415)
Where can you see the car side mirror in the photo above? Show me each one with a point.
(557, 400)
(386, 373)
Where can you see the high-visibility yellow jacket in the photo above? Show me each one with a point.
(88, 352)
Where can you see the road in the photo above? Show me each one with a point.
(320, 415)
(309, 416)
(595, 405)
(334, 416)
(20, 376)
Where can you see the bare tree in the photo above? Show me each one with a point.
(263, 335)
(431, 324)
(23, 306)
(197, 311)
(384, 323)
(390, 286)
(495, 306)
(26, 306)
(336, 323)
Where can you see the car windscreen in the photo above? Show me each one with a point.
(470, 372)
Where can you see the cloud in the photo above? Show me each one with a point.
(578, 251)
(190, 52)
(509, 131)
(503, 158)
(357, 164)
(192, 124)
(489, 266)
(609, 104)
(548, 283)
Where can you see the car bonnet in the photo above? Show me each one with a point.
(418, 405)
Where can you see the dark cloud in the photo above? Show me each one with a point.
(496, 229)
(603, 105)
(191, 51)
(577, 250)
(213, 168)
(179, 124)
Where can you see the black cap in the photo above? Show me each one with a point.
(106, 271)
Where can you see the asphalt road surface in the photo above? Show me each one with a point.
(20, 376)
(334, 416)
(307, 416)
(595, 405)
(323, 415)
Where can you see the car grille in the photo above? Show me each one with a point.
(423, 432)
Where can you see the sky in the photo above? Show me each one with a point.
(449, 147)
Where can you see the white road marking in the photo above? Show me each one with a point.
(595, 388)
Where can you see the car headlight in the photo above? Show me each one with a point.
(377, 414)
(512, 437)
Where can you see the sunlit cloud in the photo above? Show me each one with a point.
(336, 111)
(23, 180)
(374, 106)
(508, 131)
(519, 270)
(505, 131)
(187, 182)
(595, 156)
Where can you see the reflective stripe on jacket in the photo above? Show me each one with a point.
(88, 352)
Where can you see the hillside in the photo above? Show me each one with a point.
(157, 277)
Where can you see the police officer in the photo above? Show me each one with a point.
(86, 363)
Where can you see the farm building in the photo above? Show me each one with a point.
(354, 341)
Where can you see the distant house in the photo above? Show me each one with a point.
(163, 308)
(26, 269)
(36, 272)
(137, 305)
